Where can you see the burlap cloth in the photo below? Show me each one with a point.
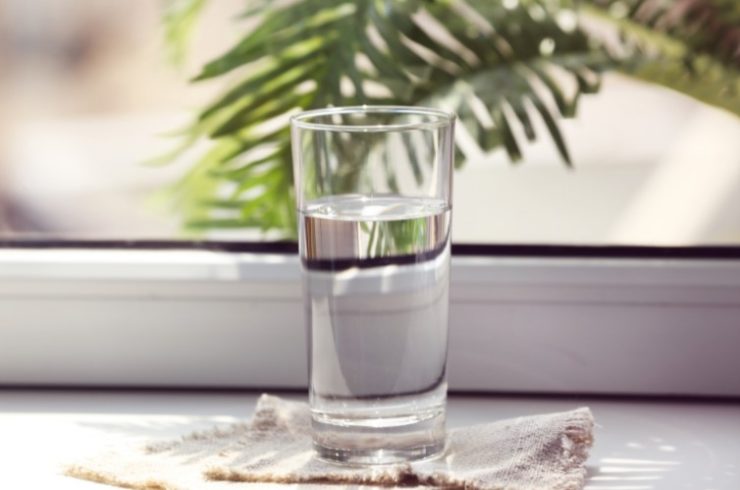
(527, 453)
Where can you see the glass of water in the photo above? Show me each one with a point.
(373, 190)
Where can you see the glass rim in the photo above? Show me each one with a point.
(439, 118)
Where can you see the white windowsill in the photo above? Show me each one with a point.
(201, 318)
(639, 445)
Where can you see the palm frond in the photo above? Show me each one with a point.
(691, 46)
(179, 20)
(510, 70)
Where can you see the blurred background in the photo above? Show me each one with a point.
(88, 95)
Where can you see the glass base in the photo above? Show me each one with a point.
(379, 441)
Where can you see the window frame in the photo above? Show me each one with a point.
(532, 319)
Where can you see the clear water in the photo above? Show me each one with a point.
(376, 278)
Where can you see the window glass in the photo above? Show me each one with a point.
(88, 96)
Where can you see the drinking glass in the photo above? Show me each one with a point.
(373, 192)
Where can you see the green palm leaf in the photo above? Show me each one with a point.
(691, 46)
(500, 66)
(179, 20)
